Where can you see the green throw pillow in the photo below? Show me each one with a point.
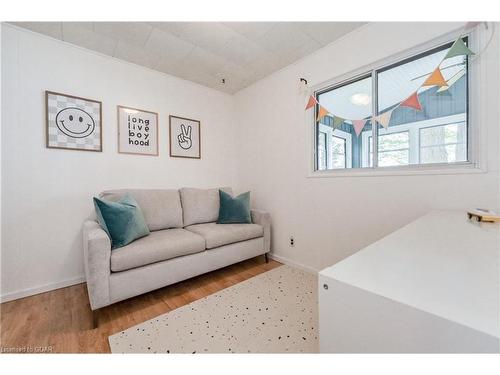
(123, 221)
(234, 210)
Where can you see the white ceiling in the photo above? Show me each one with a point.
(202, 52)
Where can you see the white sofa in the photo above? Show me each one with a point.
(185, 241)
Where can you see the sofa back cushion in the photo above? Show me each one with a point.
(201, 205)
(161, 208)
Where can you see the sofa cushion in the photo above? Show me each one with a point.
(123, 221)
(158, 246)
(200, 205)
(216, 235)
(161, 208)
(234, 210)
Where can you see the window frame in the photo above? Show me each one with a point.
(365, 157)
(347, 137)
(476, 157)
(420, 146)
(329, 133)
(344, 141)
(319, 133)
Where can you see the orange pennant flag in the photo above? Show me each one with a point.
(412, 102)
(435, 79)
(358, 126)
(322, 113)
(311, 103)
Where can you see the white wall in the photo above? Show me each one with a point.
(47, 193)
(332, 218)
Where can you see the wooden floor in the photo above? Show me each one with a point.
(60, 321)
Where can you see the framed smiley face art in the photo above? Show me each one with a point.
(73, 123)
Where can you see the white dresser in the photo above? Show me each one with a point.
(432, 286)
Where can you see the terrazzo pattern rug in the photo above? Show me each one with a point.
(274, 312)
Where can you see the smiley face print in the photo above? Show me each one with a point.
(75, 122)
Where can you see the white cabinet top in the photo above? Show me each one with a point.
(442, 263)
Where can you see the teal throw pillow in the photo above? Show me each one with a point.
(234, 210)
(123, 221)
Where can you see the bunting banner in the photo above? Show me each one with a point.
(358, 126)
(435, 78)
(337, 121)
(311, 103)
(384, 118)
(412, 102)
(321, 113)
(459, 49)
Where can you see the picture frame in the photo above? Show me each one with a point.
(185, 137)
(72, 122)
(137, 131)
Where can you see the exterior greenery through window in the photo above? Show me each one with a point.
(435, 135)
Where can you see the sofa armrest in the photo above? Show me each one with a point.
(97, 262)
(263, 218)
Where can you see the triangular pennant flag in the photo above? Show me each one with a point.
(322, 113)
(458, 49)
(358, 126)
(384, 118)
(337, 121)
(452, 80)
(435, 79)
(311, 103)
(412, 102)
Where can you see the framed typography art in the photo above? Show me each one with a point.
(73, 123)
(137, 131)
(185, 137)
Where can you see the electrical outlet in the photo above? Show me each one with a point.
(292, 241)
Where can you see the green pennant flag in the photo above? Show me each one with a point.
(337, 121)
(458, 49)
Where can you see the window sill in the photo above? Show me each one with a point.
(437, 169)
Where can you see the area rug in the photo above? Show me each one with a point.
(274, 312)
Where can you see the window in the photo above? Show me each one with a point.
(438, 134)
(334, 148)
(393, 149)
(338, 152)
(352, 100)
(443, 143)
(322, 164)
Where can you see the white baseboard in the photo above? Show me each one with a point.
(292, 263)
(78, 280)
(41, 289)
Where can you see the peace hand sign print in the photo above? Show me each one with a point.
(184, 138)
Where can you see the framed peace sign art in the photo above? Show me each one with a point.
(185, 137)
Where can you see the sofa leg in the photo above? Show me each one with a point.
(266, 257)
(95, 318)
